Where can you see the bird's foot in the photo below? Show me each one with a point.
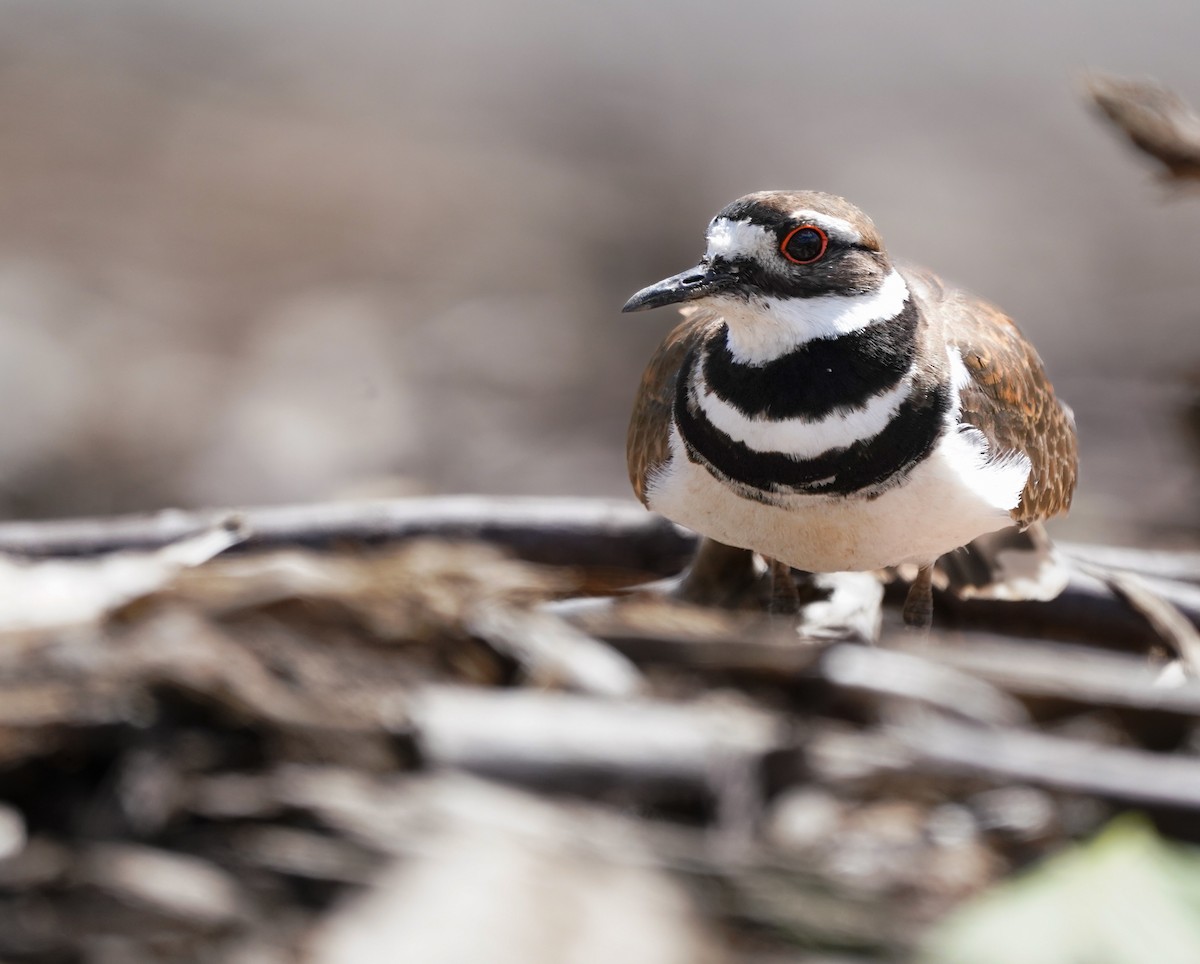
(918, 605)
(785, 597)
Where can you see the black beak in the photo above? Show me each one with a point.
(688, 285)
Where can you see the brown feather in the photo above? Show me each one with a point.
(1010, 399)
(647, 445)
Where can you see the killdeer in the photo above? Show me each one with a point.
(833, 411)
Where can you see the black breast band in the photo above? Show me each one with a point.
(818, 376)
(864, 465)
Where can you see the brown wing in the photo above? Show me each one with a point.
(1010, 398)
(647, 446)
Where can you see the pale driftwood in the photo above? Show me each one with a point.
(55, 593)
(553, 653)
(1054, 671)
(736, 645)
(1176, 565)
(745, 646)
(613, 536)
(911, 678)
(192, 892)
(925, 746)
(1168, 621)
(600, 533)
(563, 740)
(1041, 759)
(652, 631)
(304, 854)
(1087, 610)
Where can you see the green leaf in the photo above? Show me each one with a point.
(1127, 897)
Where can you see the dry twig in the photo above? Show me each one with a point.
(1155, 119)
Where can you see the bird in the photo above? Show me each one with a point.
(833, 410)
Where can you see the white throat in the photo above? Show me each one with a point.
(762, 329)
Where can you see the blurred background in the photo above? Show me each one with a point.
(296, 250)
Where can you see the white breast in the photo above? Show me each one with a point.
(959, 492)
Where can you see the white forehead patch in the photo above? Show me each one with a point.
(740, 239)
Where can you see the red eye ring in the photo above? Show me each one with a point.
(783, 247)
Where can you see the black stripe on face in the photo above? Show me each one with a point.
(908, 438)
(757, 210)
(818, 376)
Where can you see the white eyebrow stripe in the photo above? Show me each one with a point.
(834, 227)
(734, 239)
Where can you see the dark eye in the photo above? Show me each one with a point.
(805, 244)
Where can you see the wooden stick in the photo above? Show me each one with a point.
(701, 640)
(1007, 756)
(1177, 565)
(1086, 611)
(598, 533)
(602, 535)
(563, 740)
(1071, 674)
(924, 744)
(553, 653)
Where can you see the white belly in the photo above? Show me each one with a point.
(952, 497)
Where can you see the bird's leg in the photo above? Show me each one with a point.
(785, 598)
(721, 576)
(918, 605)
